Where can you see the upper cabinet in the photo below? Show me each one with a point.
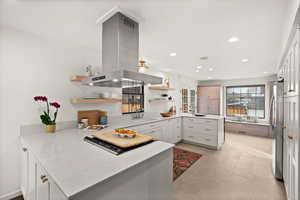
(208, 100)
(290, 68)
(188, 100)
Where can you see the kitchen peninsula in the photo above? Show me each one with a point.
(142, 173)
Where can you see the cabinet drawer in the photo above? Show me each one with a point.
(207, 140)
(142, 128)
(200, 122)
(201, 128)
(201, 139)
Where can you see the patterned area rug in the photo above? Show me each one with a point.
(182, 161)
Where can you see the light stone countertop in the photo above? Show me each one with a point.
(76, 165)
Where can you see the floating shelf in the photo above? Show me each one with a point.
(160, 88)
(159, 100)
(79, 100)
(78, 78)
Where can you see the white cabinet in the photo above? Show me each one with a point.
(42, 184)
(177, 132)
(24, 169)
(208, 132)
(172, 131)
(166, 130)
(35, 181)
(291, 146)
(290, 73)
(31, 187)
(155, 129)
(290, 68)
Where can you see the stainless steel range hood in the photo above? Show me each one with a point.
(120, 54)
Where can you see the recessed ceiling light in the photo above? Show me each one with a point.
(173, 54)
(197, 70)
(210, 69)
(265, 72)
(233, 39)
(115, 80)
(199, 67)
(209, 77)
(245, 60)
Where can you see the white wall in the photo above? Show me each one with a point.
(31, 65)
(34, 66)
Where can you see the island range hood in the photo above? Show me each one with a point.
(120, 54)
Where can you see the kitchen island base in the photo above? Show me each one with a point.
(149, 180)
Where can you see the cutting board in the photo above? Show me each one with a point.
(92, 115)
(114, 139)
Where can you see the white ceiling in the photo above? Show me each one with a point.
(191, 28)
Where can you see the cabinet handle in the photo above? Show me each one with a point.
(191, 127)
(24, 149)
(291, 90)
(44, 178)
(290, 137)
(284, 126)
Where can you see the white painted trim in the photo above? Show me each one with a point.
(113, 11)
(11, 195)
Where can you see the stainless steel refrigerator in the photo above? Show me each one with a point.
(277, 120)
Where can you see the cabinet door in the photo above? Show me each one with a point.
(293, 135)
(42, 184)
(31, 190)
(177, 130)
(173, 131)
(24, 170)
(55, 192)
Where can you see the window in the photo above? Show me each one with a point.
(246, 101)
(133, 99)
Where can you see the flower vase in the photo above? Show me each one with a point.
(51, 128)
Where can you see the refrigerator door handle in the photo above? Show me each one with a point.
(272, 112)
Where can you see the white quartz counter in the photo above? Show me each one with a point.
(151, 119)
(76, 165)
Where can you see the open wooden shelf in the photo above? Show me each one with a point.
(78, 78)
(159, 100)
(79, 100)
(160, 88)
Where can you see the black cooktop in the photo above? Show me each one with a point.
(110, 147)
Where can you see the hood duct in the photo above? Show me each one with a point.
(120, 54)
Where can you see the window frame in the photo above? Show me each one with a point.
(245, 86)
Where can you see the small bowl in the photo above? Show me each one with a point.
(124, 135)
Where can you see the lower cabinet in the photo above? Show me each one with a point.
(42, 184)
(35, 181)
(208, 132)
(166, 130)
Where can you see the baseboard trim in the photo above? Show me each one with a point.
(11, 195)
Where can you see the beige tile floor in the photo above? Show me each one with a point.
(241, 170)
